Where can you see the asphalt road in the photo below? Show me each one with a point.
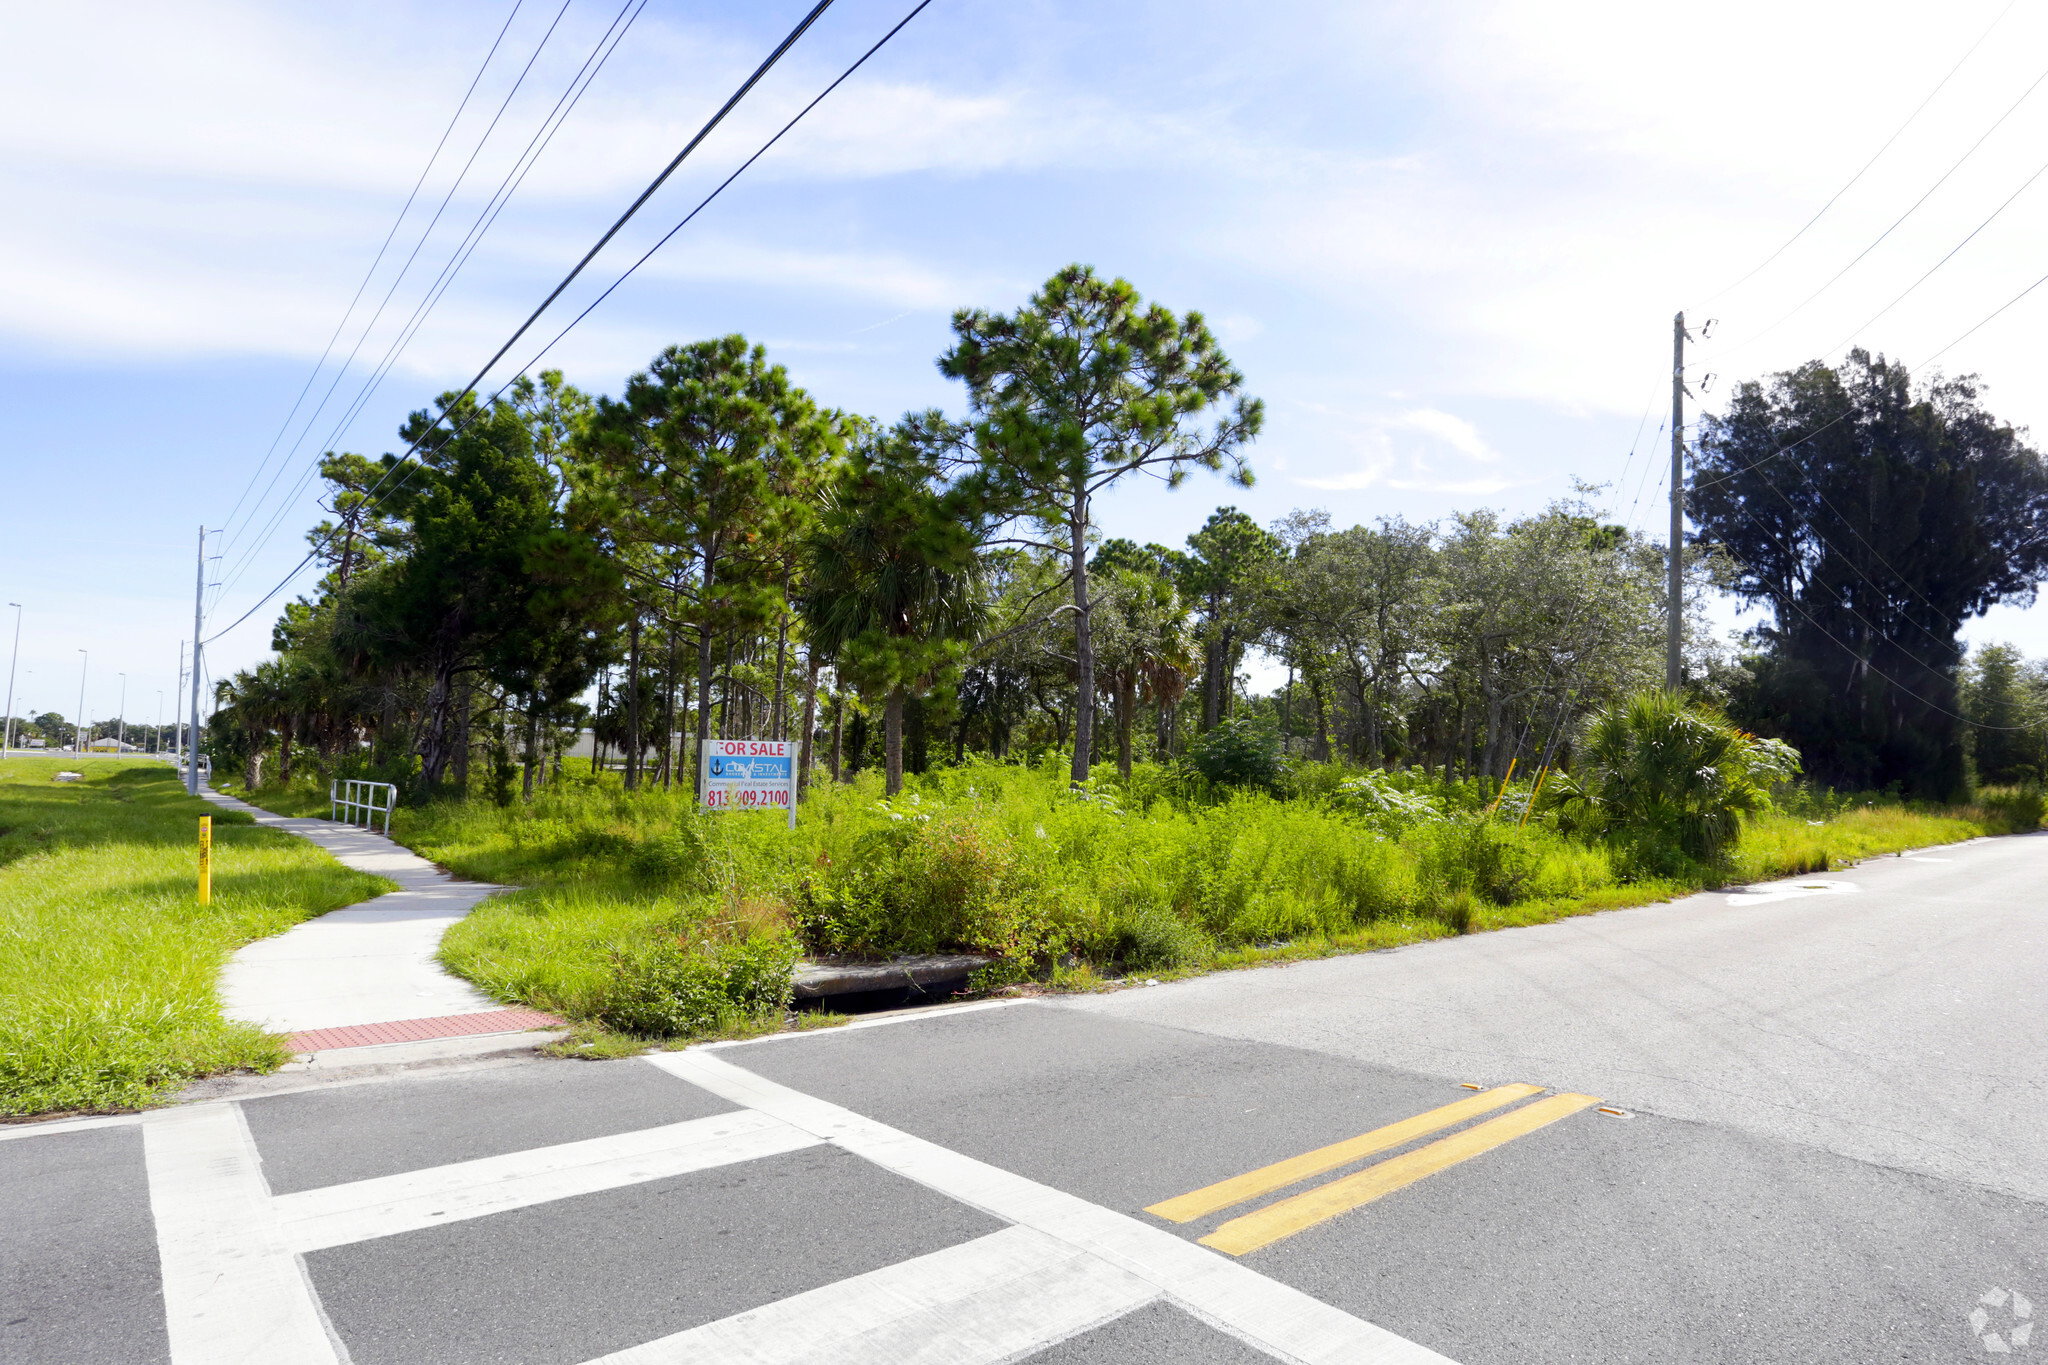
(1830, 1145)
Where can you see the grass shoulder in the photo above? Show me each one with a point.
(108, 963)
(647, 922)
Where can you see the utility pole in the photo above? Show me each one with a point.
(7, 725)
(198, 624)
(121, 718)
(1674, 593)
(81, 740)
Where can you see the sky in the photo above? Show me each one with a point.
(1443, 243)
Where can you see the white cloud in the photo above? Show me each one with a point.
(1407, 451)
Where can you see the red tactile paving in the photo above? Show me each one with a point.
(419, 1030)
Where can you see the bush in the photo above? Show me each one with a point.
(674, 988)
(929, 879)
(1668, 782)
(2017, 808)
(1239, 752)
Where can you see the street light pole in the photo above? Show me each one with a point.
(121, 718)
(80, 727)
(7, 725)
(177, 727)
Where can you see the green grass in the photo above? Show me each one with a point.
(1068, 891)
(107, 960)
(300, 798)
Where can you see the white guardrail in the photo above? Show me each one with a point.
(370, 798)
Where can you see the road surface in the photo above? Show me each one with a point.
(1807, 1125)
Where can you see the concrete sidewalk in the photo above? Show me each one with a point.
(365, 973)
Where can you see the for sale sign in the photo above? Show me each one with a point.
(750, 774)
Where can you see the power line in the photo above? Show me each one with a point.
(656, 184)
(470, 388)
(425, 233)
(1932, 706)
(1911, 209)
(1942, 262)
(1634, 443)
(378, 260)
(1994, 313)
(1938, 85)
(542, 137)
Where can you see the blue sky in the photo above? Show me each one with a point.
(1444, 243)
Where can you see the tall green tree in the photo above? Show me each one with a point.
(701, 473)
(2002, 700)
(1872, 516)
(459, 601)
(891, 589)
(1226, 574)
(1083, 386)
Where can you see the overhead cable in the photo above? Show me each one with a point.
(378, 260)
(543, 135)
(1850, 183)
(411, 450)
(425, 234)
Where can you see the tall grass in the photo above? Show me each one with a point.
(633, 902)
(107, 961)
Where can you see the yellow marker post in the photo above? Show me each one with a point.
(1529, 809)
(206, 860)
(1501, 795)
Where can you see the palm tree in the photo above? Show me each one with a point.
(258, 701)
(893, 591)
(1663, 778)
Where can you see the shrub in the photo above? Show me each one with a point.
(2017, 808)
(1148, 939)
(1668, 782)
(1239, 752)
(929, 879)
(678, 856)
(1385, 800)
(672, 988)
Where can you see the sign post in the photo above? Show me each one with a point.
(749, 774)
(206, 860)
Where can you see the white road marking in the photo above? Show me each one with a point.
(994, 1299)
(337, 1215)
(1791, 890)
(10, 1131)
(1274, 1317)
(234, 1294)
(909, 1017)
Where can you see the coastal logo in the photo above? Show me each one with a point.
(2003, 1321)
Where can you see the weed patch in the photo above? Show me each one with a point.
(647, 919)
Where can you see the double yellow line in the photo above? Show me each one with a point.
(1262, 1227)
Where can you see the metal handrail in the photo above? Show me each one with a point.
(353, 794)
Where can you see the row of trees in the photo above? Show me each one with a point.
(714, 552)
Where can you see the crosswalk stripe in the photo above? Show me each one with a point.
(337, 1215)
(1305, 1210)
(997, 1298)
(1236, 1190)
(233, 1292)
(1273, 1317)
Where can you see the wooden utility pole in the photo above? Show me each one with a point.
(1674, 594)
